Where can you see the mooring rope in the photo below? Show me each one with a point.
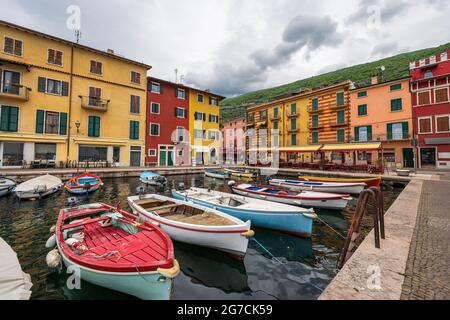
(266, 250)
(334, 230)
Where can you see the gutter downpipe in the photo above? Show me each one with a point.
(69, 117)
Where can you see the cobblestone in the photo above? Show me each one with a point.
(427, 274)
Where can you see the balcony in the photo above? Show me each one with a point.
(275, 118)
(335, 124)
(315, 110)
(94, 103)
(293, 115)
(292, 130)
(15, 92)
(383, 138)
(316, 126)
(339, 106)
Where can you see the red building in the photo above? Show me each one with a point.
(167, 138)
(430, 82)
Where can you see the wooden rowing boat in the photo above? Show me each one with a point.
(84, 183)
(370, 182)
(111, 249)
(239, 173)
(216, 174)
(333, 187)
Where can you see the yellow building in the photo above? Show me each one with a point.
(61, 101)
(204, 126)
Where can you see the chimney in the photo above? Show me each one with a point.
(110, 51)
(374, 79)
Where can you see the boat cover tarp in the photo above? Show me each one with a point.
(14, 283)
(47, 180)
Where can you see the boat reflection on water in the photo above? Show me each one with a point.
(212, 268)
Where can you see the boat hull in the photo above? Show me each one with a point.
(143, 285)
(216, 175)
(33, 196)
(370, 182)
(82, 190)
(5, 191)
(332, 204)
(293, 223)
(229, 240)
(355, 189)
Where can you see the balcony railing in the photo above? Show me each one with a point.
(293, 115)
(383, 138)
(340, 106)
(16, 92)
(335, 124)
(316, 126)
(94, 103)
(315, 110)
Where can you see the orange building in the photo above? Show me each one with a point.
(381, 112)
(233, 140)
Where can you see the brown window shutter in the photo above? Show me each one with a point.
(51, 56)
(18, 47)
(92, 66)
(58, 58)
(9, 45)
(99, 67)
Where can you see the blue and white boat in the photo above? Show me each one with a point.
(216, 174)
(265, 214)
(152, 178)
(6, 186)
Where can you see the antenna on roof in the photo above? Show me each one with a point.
(182, 78)
(176, 75)
(77, 35)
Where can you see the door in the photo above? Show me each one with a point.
(427, 157)
(408, 158)
(162, 157)
(135, 157)
(170, 158)
(199, 158)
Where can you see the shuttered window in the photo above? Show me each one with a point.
(11, 82)
(315, 103)
(55, 57)
(180, 113)
(294, 108)
(340, 117)
(340, 99)
(362, 94)
(362, 110)
(135, 104)
(293, 124)
(423, 98)
(94, 126)
(425, 125)
(94, 96)
(441, 95)
(96, 67)
(396, 105)
(293, 139)
(396, 87)
(180, 94)
(135, 77)
(315, 121)
(363, 134)
(314, 137)
(340, 134)
(134, 130)
(398, 131)
(9, 119)
(13, 46)
(154, 129)
(443, 124)
(53, 86)
(213, 118)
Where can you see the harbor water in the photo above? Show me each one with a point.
(287, 268)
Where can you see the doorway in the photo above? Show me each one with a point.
(166, 156)
(427, 157)
(135, 156)
(408, 158)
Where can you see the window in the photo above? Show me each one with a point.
(293, 139)
(315, 103)
(213, 101)
(398, 131)
(199, 134)
(363, 134)
(314, 137)
(428, 74)
(314, 121)
(200, 98)
(180, 94)
(54, 87)
(213, 118)
(92, 153)
(251, 118)
(96, 67)
(152, 152)
(213, 135)
(340, 117)
(396, 87)
(134, 130)
(116, 154)
(442, 124)
(180, 113)
(95, 95)
(340, 135)
(200, 116)
(275, 113)
(396, 105)
(340, 101)
(154, 108)
(362, 110)
(294, 108)
(180, 134)
(12, 153)
(156, 87)
(362, 94)
(180, 153)
(425, 125)
(55, 57)
(51, 122)
(13, 46)
(441, 95)
(45, 151)
(11, 82)
(94, 126)
(154, 129)
(135, 104)
(275, 125)
(135, 77)
(263, 115)
(293, 124)
(9, 119)
(423, 98)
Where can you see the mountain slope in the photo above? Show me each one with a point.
(396, 67)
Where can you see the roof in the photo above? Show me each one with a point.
(73, 44)
(186, 87)
(381, 83)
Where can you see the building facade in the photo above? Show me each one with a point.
(233, 140)
(204, 126)
(430, 82)
(61, 101)
(167, 137)
(382, 113)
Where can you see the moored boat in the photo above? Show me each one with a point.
(111, 249)
(193, 223)
(216, 174)
(85, 183)
(265, 214)
(152, 178)
(312, 199)
(370, 182)
(6, 186)
(241, 173)
(38, 187)
(333, 187)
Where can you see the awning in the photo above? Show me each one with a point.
(200, 148)
(294, 149)
(350, 147)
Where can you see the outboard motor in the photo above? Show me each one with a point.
(72, 201)
(140, 191)
(86, 187)
(268, 178)
(161, 180)
(181, 186)
(231, 184)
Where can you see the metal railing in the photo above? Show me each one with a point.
(94, 103)
(15, 91)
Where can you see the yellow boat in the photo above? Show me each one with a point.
(241, 174)
(371, 182)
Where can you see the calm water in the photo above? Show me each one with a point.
(303, 270)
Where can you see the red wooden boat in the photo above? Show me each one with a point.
(113, 250)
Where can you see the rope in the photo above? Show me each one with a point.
(266, 250)
(334, 230)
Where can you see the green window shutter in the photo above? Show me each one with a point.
(293, 123)
(97, 127)
(315, 137)
(91, 126)
(340, 98)
(315, 121)
(134, 130)
(4, 123)
(63, 123)
(405, 130)
(65, 89)
(315, 104)
(395, 87)
(340, 135)
(369, 133)
(362, 110)
(293, 108)
(275, 125)
(356, 134)
(294, 139)
(94, 126)
(389, 131)
(40, 121)
(14, 119)
(396, 105)
(362, 94)
(41, 84)
(340, 116)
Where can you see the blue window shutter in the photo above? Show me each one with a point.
(356, 134)
(40, 121)
(405, 130)
(369, 133)
(63, 123)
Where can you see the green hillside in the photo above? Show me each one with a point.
(396, 67)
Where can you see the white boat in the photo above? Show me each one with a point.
(311, 199)
(38, 187)
(153, 179)
(216, 174)
(194, 224)
(6, 186)
(265, 214)
(241, 173)
(333, 187)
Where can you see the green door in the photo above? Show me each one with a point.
(162, 158)
(408, 158)
(170, 159)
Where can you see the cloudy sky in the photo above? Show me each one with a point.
(236, 46)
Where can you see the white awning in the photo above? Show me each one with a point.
(200, 148)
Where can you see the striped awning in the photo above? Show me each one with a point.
(293, 149)
(350, 147)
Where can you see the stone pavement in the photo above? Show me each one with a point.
(427, 274)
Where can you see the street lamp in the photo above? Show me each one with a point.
(78, 124)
